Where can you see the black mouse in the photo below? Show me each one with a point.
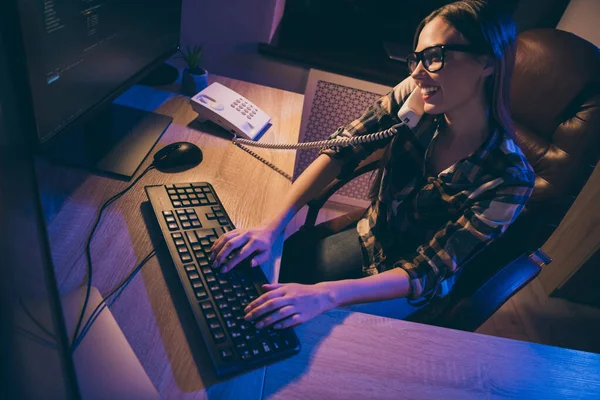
(179, 155)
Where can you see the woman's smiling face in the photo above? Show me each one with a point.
(462, 78)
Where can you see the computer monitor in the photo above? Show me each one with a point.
(76, 57)
(35, 361)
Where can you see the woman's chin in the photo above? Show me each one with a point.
(432, 109)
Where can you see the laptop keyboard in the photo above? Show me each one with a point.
(191, 218)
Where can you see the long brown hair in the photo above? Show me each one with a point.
(491, 29)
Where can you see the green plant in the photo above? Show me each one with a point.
(192, 56)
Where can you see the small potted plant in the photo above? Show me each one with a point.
(194, 78)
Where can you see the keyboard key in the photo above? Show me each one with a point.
(186, 203)
(245, 354)
(183, 217)
(203, 262)
(218, 296)
(196, 247)
(172, 226)
(266, 347)
(223, 221)
(227, 315)
(201, 294)
(227, 354)
(186, 225)
(195, 202)
(210, 314)
(177, 204)
(185, 257)
(206, 305)
(190, 268)
(231, 324)
(197, 284)
(179, 242)
(193, 275)
(170, 219)
(180, 212)
(219, 336)
(214, 324)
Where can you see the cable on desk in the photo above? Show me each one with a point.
(103, 304)
(264, 161)
(88, 251)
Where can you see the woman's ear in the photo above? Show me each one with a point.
(488, 66)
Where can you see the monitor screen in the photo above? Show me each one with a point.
(83, 53)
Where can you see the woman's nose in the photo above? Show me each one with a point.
(419, 71)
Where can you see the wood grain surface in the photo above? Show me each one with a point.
(358, 356)
(153, 312)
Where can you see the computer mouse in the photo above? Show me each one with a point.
(179, 155)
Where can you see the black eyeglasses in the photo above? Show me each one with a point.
(433, 57)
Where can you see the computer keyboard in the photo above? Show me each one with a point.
(191, 218)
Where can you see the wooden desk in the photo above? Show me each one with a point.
(348, 355)
(152, 312)
(398, 360)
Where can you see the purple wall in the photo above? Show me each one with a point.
(230, 31)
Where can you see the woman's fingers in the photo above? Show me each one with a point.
(265, 297)
(231, 245)
(244, 252)
(260, 258)
(291, 321)
(275, 317)
(267, 307)
(221, 241)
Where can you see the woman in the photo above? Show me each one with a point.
(446, 188)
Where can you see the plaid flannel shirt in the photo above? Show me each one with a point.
(430, 225)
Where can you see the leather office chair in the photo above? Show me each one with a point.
(555, 104)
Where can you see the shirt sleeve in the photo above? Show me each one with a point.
(496, 205)
(379, 116)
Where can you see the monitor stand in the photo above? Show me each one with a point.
(115, 141)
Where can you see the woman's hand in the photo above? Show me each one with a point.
(240, 244)
(290, 304)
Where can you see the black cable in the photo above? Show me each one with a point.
(35, 337)
(88, 251)
(103, 304)
(34, 320)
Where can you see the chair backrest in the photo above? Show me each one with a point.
(330, 101)
(555, 104)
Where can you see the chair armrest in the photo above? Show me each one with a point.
(469, 313)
